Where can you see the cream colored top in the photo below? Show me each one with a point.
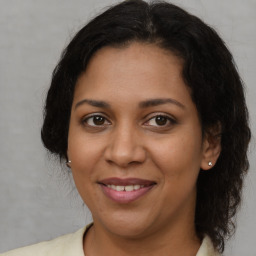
(72, 245)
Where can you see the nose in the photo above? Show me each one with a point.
(125, 148)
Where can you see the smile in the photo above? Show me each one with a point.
(125, 190)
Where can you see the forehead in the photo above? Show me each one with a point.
(136, 66)
(124, 79)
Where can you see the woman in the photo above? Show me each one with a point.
(147, 109)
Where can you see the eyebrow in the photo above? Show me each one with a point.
(94, 103)
(157, 102)
(143, 104)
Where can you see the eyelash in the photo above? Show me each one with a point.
(85, 120)
(169, 120)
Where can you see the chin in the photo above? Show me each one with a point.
(127, 225)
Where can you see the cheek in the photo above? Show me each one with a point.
(84, 161)
(178, 156)
(85, 154)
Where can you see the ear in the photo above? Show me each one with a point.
(211, 148)
(67, 155)
(68, 161)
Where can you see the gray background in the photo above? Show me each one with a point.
(38, 200)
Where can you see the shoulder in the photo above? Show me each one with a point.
(70, 244)
(207, 248)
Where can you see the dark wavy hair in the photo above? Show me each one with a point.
(208, 70)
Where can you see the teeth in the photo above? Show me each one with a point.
(129, 188)
(125, 188)
(136, 187)
(119, 188)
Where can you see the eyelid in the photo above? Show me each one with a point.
(87, 117)
(170, 118)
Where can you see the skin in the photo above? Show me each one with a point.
(130, 143)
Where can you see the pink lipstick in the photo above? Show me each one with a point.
(125, 190)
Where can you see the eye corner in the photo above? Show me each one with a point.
(160, 121)
(95, 121)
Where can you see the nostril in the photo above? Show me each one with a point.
(123, 164)
(123, 151)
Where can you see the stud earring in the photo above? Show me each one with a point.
(68, 163)
(210, 163)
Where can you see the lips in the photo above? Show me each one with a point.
(125, 190)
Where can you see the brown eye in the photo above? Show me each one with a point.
(96, 120)
(161, 120)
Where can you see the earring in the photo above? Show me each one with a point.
(210, 163)
(68, 163)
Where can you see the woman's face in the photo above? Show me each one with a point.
(135, 141)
